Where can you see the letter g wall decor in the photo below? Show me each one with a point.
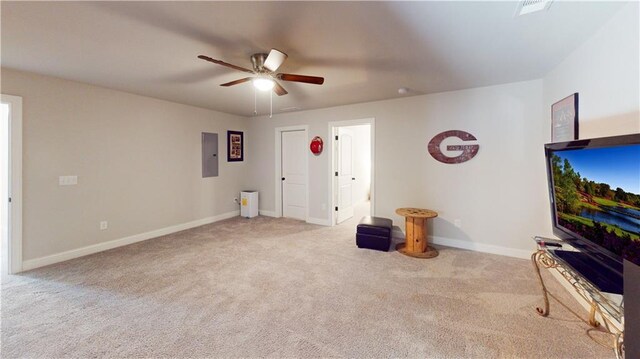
(468, 151)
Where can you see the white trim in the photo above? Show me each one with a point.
(14, 246)
(278, 165)
(267, 213)
(80, 252)
(474, 246)
(331, 198)
(319, 221)
(481, 247)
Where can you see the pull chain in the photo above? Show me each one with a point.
(270, 104)
(255, 101)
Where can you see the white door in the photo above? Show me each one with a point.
(4, 185)
(11, 183)
(345, 174)
(294, 175)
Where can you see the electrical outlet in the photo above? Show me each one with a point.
(103, 225)
(458, 223)
(67, 180)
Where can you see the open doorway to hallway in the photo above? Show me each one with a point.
(352, 169)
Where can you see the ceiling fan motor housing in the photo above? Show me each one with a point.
(265, 66)
(258, 62)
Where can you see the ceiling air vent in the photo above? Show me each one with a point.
(529, 6)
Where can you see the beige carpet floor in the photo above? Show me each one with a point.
(269, 287)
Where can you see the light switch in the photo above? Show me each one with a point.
(67, 180)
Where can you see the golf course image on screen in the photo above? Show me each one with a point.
(597, 196)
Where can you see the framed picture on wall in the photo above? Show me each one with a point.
(235, 146)
(564, 119)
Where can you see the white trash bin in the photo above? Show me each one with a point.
(249, 204)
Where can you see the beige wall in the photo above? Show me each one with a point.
(605, 71)
(137, 160)
(500, 196)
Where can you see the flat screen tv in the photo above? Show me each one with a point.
(594, 187)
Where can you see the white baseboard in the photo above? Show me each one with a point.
(482, 247)
(473, 246)
(95, 248)
(267, 213)
(319, 221)
(397, 233)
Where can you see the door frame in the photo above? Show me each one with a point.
(14, 215)
(333, 126)
(278, 166)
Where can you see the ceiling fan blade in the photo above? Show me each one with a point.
(278, 89)
(236, 82)
(302, 78)
(274, 60)
(218, 62)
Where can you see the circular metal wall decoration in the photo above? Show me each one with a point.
(468, 151)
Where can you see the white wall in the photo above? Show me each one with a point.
(500, 195)
(605, 71)
(138, 162)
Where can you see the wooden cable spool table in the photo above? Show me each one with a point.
(415, 244)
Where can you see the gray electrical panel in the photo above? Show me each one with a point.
(209, 154)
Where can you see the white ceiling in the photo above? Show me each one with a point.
(365, 51)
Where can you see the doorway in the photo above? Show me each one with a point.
(352, 170)
(10, 184)
(292, 183)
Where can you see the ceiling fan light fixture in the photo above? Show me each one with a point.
(263, 84)
(274, 60)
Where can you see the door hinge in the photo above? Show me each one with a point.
(336, 173)
(336, 208)
(9, 199)
(336, 137)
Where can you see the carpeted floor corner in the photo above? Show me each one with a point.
(266, 287)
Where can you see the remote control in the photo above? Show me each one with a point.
(551, 244)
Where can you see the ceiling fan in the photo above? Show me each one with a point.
(264, 67)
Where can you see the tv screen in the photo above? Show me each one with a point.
(595, 194)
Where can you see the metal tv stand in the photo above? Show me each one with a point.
(600, 303)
